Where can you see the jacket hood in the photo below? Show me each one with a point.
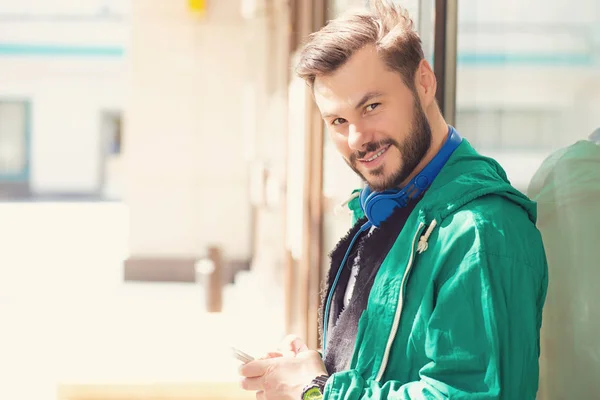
(466, 176)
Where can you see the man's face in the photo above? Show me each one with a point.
(376, 122)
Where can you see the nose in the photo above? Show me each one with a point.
(357, 138)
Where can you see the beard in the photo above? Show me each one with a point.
(412, 150)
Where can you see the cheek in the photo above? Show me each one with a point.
(381, 124)
(391, 124)
(341, 143)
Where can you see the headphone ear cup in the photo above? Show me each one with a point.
(380, 207)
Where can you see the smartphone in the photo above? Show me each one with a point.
(240, 355)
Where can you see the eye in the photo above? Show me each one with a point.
(371, 107)
(338, 121)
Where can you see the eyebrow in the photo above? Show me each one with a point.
(364, 100)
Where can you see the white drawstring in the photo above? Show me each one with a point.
(423, 245)
(340, 207)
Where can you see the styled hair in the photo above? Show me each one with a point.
(387, 26)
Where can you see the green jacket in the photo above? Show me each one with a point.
(456, 308)
(567, 190)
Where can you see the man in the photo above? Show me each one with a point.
(438, 291)
(566, 188)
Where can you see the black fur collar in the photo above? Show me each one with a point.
(372, 251)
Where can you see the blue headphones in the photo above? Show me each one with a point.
(379, 206)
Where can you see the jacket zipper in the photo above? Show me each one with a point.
(396, 323)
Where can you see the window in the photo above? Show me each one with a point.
(509, 129)
(14, 147)
(528, 94)
(112, 131)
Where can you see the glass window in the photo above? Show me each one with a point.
(528, 94)
(13, 141)
(528, 78)
(112, 131)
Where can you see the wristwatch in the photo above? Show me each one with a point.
(314, 390)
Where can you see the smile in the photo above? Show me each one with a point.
(375, 159)
(377, 155)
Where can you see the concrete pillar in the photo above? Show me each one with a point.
(186, 179)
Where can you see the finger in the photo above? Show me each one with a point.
(260, 395)
(253, 383)
(298, 346)
(293, 343)
(271, 354)
(286, 343)
(254, 368)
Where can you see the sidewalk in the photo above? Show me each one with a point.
(69, 322)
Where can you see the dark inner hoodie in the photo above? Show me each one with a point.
(371, 250)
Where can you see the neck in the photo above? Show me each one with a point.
(439, 134)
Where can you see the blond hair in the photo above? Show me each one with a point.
(388, 26)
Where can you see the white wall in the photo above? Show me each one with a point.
(186, 177)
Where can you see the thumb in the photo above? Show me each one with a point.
(271, 354)
(292, 343)
(299, 346)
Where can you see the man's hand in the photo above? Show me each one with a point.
(283, 378)
(292, 345)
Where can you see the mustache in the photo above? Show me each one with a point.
(371, 147)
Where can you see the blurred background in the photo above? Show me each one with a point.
(167, 188)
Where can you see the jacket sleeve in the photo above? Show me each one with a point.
(462, 339)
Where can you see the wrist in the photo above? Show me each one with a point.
(315, 389)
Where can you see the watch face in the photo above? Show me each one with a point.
(313, 394)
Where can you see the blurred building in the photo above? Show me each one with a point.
(61, 97)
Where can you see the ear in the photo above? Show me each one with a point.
(425, 83)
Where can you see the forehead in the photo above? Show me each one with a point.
(364, 72)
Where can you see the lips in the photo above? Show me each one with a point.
(370, 157)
